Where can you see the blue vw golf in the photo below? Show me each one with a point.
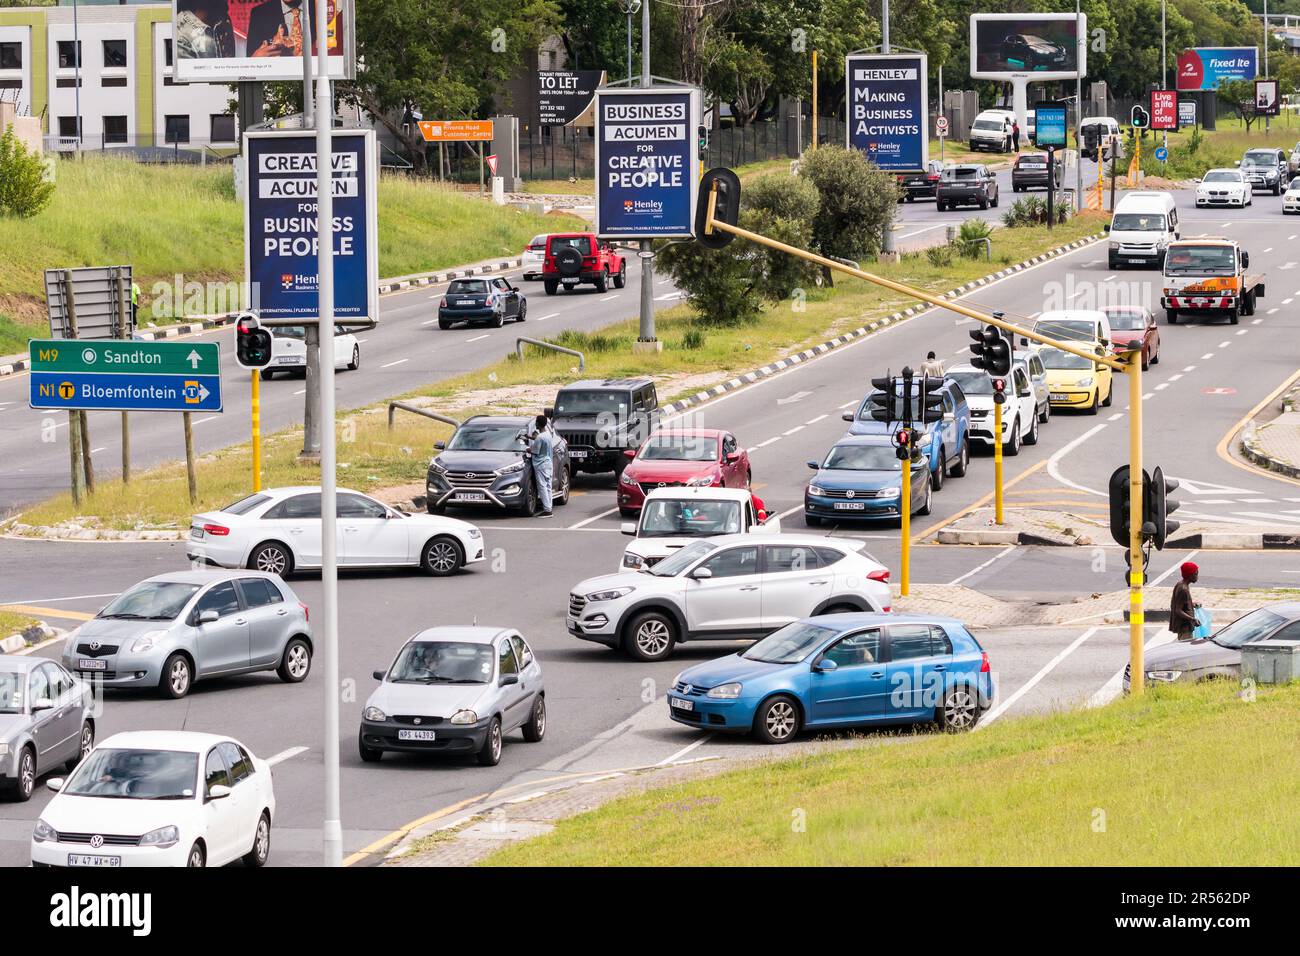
(863, 478)
(946, 443)
(840, 670)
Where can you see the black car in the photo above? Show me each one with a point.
(1024, 51)
(600, 420)
(486, 464)
(966, 185)
(913, 186)
(481, 301)
(1030, 172)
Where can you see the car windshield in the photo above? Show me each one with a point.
(1127, 320)
(244, 505)
(1078, 330)
(11, 691)
(1260, 158)
(468, 287)
(689, 517)
(864, 410)
(989, 124)
(120, 774)
(675, 564)
(959, 172)
(679, 448)
(1032, 158)
(590, 403)
(1255, 626)
(789, 645)
(150, 601)
(1222, 176)
(1056, 358)
(973, 383)
(1200, 260)
(289, 332)
(581, 243)
(486, 438)
(442, 662)
(1137, 222)
(862, 458)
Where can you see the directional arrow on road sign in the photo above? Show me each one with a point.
(193, 359)
(125, 375)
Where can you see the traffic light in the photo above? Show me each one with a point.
(999, 391)
(1157, 506)
(703, 133)
(931, 400)
(1139, 118)
(884, 403)
(1119, 504)
(903, 438)
(726, 208)
(992, 350)
(252, 343)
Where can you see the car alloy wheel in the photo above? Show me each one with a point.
(271, 558)
(652, 638)
(26, 775)
(780, 720)
(87, 742)
(442, 557)
(297, 661)
(959, 709)
(262, 841)
(197, 857)
(178, 677)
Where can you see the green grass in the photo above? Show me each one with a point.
(1186, 776)
(11, 623)
(374, 458)
(165, 220)
(1220, 147)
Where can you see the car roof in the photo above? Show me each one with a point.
(856, 619)
(787, 538)
(210, 576)
(464, 633)
(499, 419)
(1221, 169)
(190, 741)
(1071, 315)
(287, 490)
(865, 440)
(1145, 199)
(708, 494)
(690, 432)
(1204, 241)
(16, 662)
(612, 383)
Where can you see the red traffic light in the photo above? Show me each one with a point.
(902, 437)
(999, 385)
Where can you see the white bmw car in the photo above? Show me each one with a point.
(159, 798)
(279, 530)
(1291, 198)
(1224, 187)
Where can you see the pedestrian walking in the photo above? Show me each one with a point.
(135, 303)
(1182, 609)
(542, 449)
(932, 367)
(1015, 135)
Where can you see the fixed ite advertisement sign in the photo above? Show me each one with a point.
(1204, 68)
(647, 162)
(888, 109)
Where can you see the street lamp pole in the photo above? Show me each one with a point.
(884, 26)
(1078, 110)
(76, 62)
(646, 338)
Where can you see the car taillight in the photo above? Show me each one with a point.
(216, 529)
(306, 614)
(933, 177)
(984, 663)
(491, 301)
(882, 576)
(443, 303)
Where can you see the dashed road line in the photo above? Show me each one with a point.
(814, 421)
(976, 570)
(400, 361)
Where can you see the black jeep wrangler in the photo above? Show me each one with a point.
(601, 420)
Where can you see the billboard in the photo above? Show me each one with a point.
(232, 40)
(647, 159)
(565, 95)
(280, 225)
(456, 131)
(888, 109)
(1266, 100)
(1164, 109)
(1042, 45)
(1204, 68)
(1049, 125)
(1187, 112)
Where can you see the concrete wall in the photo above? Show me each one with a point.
(26, 128)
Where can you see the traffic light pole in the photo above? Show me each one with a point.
(257, 429)
(1136, 622)
(997, 462)
(905, 522)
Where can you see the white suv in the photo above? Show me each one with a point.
(1020, 414)
(672, 518)
(734, 587)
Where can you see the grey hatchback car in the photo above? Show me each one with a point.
(173, 629)
(46, 722)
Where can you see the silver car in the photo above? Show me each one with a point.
(173, 629)
(455, 690)
(46, 722)
(1220, 654)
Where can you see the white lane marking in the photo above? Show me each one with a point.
(1290, 237)
(1224, 344)
(814, 421)
(1162, 386)
(284, 755)
(976, 570)
(849, 404)
(1148, 395)
(545, 317)
(596, 517)
(301, 391)
(1254, 322)
(95, 451)
(1171, 569)
(1271, 311)
(1258, 501)
(1054, 463)
(1176, 376)
(429, 322)
(400, 361)
(1116, 417)
(608, 297)
(210, 418)
(764, 444)
(362, 341)
(797, 428)
(1269, 249)
(1190, 368)
(1033, 682)
(1242, 331)
(670, 295)
(1286, 301)
(685, 750)
(53, 600)
(1207, 356)
(477, 338)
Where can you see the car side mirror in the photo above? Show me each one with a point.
(440, 445)
(825, 666)
(628, 527)
(377, 675)
(1106, 228)
(55, 783)
(208, 617)
(814, 466)
(702, 574)
(1024, 341)
(629, 452)
(508, 679)
(733, 457)
(218, 791)
(1245, 260)
(847, 416)
(42, 703)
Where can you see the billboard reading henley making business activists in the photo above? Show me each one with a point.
(231, 40)
(888, 109)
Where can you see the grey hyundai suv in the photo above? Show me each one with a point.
(173, 629)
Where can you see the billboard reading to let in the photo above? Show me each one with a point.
(888, 108)
(232, 40)
(1204, 68)
(1042, 45)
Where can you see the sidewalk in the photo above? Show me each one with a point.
(1275, 444)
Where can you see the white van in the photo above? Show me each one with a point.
(992, 130)
(1105, 127)
(1144, 224)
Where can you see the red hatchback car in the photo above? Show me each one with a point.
(1133, 327)
(694, 457)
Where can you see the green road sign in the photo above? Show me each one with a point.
(125, 358)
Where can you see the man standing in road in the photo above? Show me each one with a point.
(1182, 609)
(931, 367)
(542, 449)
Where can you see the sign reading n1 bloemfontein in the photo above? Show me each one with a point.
(889, 116)
(280, 225)
(647, 158)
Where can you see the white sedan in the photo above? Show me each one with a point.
(1224, 187)
(279, 530)
(289, 350)
(533, 256)
(159, 798)
(1291, 198)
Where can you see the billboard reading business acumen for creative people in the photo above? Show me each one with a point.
(231, 40)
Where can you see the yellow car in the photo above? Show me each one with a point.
(1074, 382)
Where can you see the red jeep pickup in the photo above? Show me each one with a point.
(575, 257)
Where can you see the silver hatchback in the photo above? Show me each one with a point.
(173, 629)
(46, 722)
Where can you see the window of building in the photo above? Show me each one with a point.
(68, 127)
(178, 128)
(112, 81)
(223, 128)
(114, 129)
(115, 54)
(11, 56)
(69, 54)
(68, 82)
(167, 51)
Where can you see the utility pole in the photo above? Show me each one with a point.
(311, 336)
(646, 339)
(1078, 114)
(1266, 116)
(332, 828)
(884, 26)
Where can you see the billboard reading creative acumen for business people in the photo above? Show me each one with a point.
(232, 40)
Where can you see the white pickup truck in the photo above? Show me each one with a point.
(1209, 275)
(672, 518)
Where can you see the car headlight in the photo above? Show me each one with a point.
(436, 465)
(1084, 382)
(725, 691)
(146, 641)
(162, 838)
(45, 833)
(474, 533)
(1165, 676)
(701, 482)
(464, 717)
(1114, 244)
(626, 479)
(633, 560)
(374, 714)
(891, 492)
(4, 748)
(511, 469)
(613, 594)
(817, 491)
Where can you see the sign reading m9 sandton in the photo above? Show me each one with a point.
(647, 159)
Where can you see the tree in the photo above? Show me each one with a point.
(857, 201)
(1240, 96)
(23, 189)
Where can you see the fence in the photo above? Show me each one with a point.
(145, 149)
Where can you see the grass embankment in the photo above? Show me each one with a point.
(169, 220)
(1186, 776)
(11, 623)
(1221, 147)
(693, 356)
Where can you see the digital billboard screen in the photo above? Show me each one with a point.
(232, 40)
(1045, 43)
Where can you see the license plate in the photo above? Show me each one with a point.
(569, 281)
(471, 496)
(1032, 166)
(572, 626)
(681, 704)
(466, 302)
(291, 360)
(577, 453)
(85, 859)
(849, 505)
(415, 735)
(92, 665)
(1058, 397)
(196, 532)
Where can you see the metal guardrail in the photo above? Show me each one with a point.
(519, 350)
(415, 409)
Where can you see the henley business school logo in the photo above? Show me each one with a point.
(286, 281)
(643, 207)
(293, 282)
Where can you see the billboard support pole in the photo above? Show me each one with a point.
(191, 478)
(646, 340)
(307, 112)
(884, 26)
(1078, 115)
(311, 333)
(75, 445)
(814, 101)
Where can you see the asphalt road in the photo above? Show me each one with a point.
(607, 712)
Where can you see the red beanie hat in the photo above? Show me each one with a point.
(1188, 569)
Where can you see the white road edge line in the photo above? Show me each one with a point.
(1033, 682)
(685, 750)
(1053, 463)
(596, 517)
(976, 570)
(284, 755)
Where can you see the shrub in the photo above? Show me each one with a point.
(693, 339)
(971, 236)
(589, 342)
(939, 256)
(857, 200)
(23, 189)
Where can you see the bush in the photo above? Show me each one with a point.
(939, 256)
(970, 237)
(589, 342)
(857, 200)
(693, 339)
(23, 189)
(1032, 211)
